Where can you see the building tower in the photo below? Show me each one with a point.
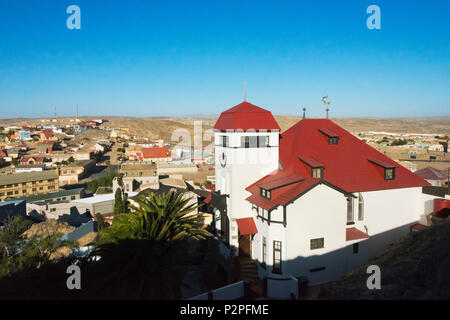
(246, 149)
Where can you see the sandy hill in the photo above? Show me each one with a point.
(156, 127)
(416, 267)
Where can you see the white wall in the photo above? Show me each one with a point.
(243, 167)
(389, 213)
(320, 213)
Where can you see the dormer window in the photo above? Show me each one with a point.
(333, 140)
(389, 173)
(317, 172)
(265, 193)
(389, 168)
(316, 166)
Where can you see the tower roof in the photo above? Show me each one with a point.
(246, 116)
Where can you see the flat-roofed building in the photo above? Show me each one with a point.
(138, 176)
(71, 173)
(21, 185)
(167, 168)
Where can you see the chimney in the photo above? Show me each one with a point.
(304, 112)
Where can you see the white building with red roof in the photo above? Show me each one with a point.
(314, 201)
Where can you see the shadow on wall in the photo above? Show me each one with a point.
(75, 218)
(323, 268)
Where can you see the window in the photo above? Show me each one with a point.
(317, 243)
(265, 193)
(389, 173)
(317, 173)
(350, 210)
(72, 197)
(140, 174)
(224, 141)
(245, 142)
(276, 257)
(355, 248)
(263, 142)
(333, 140)
(360, 207)
(264, 252)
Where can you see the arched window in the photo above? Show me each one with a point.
(360, 207)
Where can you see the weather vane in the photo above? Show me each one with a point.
(327, 103)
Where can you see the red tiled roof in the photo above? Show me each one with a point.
(346, 163)
(150, 153)
(431, 173)
(37, 159)
(208, 199)
(383, 163)
(246, 116)
(246, 226)
(48, 133)
(311, 162)
(285, 187)
(354, 234)
(329, 133)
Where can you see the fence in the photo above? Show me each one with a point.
(230, 292)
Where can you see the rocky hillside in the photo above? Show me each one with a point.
(417, 267)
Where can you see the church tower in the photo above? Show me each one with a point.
(246, 149)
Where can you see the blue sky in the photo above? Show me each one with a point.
(153, 58)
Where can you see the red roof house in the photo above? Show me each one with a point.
(155, 153)
(246, 116)
(347, 164)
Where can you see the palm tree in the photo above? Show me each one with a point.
(161, 218)
(146, 249)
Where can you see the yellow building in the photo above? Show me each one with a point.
(26, 184)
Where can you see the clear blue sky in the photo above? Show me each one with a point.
(152, 58)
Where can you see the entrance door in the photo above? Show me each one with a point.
(244, 246)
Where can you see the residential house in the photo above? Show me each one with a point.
(152, 154)
(434, 176)
(45, 147)
(24, 135)
(137, 176)
(313, 202)
(26, 184)
(436, 147)
(31, 160)
(47, 135)
(73, 172)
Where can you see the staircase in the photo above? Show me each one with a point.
(248, 272)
